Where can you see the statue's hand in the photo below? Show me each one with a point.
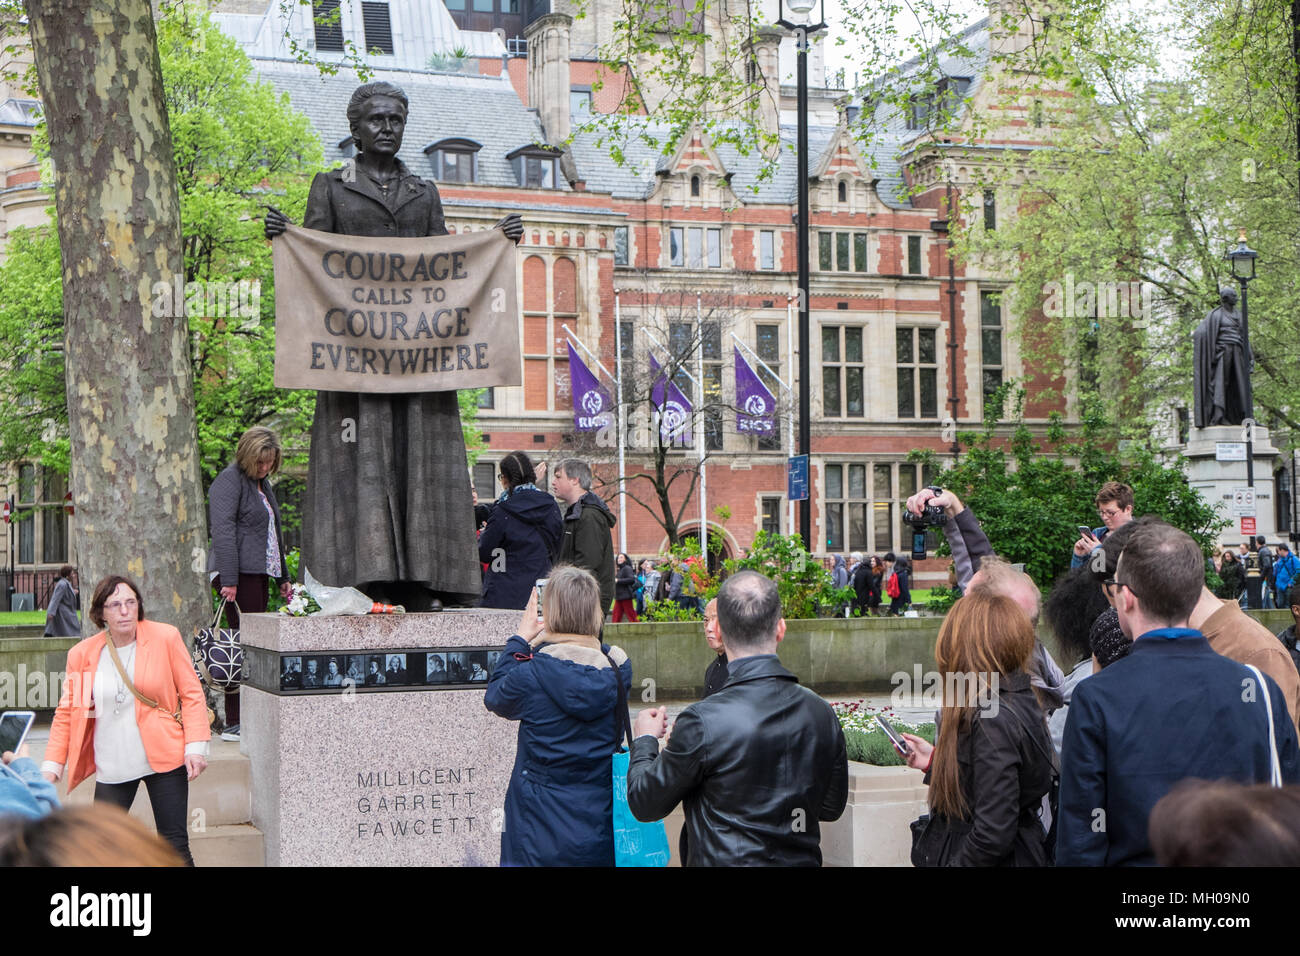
(275, 222)
(513, 226)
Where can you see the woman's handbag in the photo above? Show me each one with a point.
(635, 843)
(934, 838)
(221, 653)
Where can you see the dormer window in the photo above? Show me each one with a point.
(695, 185)
(348, 147)
(536, 166)
(454, 160)
(843, 191)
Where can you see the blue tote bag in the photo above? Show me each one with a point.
(635, 843)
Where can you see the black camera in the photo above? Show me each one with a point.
(931, 516)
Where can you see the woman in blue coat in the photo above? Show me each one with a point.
(522, 536)
(556, 678)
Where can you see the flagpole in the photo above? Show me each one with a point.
(622, 430)
(699, 407)
(789, 415)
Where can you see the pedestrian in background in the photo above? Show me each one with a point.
(522, 537)
(61, 613)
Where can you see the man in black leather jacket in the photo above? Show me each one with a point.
(757, 764)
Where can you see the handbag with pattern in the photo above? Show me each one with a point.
(221, 653)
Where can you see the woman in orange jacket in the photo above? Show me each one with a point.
(132, 709)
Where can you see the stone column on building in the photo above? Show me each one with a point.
(766, 44)
(548, 73)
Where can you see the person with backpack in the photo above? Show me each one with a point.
(1266, 569)
(866, 587)
(898, 584)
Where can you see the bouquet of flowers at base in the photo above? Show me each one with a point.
(345, 600)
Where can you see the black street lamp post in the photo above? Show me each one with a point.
(802, 31)
(1242, 260)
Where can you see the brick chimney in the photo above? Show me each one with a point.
(766, 43)
(548, 73)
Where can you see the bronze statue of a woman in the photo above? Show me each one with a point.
(387, 508)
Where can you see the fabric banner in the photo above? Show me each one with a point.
(674, 407)
(591, 404)
(373, 314)
(755, 405)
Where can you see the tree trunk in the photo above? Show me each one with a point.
(134, 461)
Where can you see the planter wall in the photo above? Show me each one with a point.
(829, 655)
(32, 670)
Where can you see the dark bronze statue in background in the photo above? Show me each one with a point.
(1222, 363)
(387, 507)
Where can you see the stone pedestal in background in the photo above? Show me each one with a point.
(1216, 480)
(369, 774)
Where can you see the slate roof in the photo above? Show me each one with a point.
(890, 136)
(19, 112)
(636, 180)
(443, 106)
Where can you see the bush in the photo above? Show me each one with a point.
(865, 740)
(669, 611)
(806, 588)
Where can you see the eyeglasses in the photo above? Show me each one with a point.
(1108, 514)
(129, 605)
(1109, 583)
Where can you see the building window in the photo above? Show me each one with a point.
(1036, 114)
(695, 247)
(487, 398)
(379, 28)
(864, 502)
(536, 167)
(918, 373)
(683, 342)
(454, 160)
(348, 148)
(771, 508)
(627, 339)
(767, 345)
(40, 493)
(767, 249)
(695, 185)
(328, 24)
(579, 102)
(991, 342)
(620, 245)
(990, 210)
(842, 192)
(842, 251)
(914, 255)
(842, 371)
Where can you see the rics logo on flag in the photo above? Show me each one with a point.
(755, 405)
(592, 402)
(674, 418)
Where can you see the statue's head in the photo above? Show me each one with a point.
(374, 101)
(1228, 296)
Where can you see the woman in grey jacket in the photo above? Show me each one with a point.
(247, 540)
(61, 613)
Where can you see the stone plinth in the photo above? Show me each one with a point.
(1216, 480)
(875, 828)
(409, 772)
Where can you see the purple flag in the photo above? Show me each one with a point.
(591, 404)
(657, 389)
(675, 416)
(756, 407)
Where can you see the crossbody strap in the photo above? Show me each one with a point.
(1051, 758)
(151, 704)
(622, 720)
(1275, 767)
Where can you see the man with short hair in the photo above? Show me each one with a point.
(1115, 506)
(587, 525)
(1286, 568)
(1171, 709)
(757, 764)
(1266, 571)
(716, 675)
